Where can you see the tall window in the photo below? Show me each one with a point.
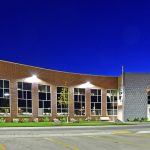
(148, 97)
(62, 100)
(4, 98)
(79, 101)
(44, 100)
(95, 102)
(24, 98)
(112, 99)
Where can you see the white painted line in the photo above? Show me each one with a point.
(140, 132)
(53, 135)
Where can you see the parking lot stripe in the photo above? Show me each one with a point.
(121, 142)
(139, 135)
(59, 142)
(2, 147)
(121, 132)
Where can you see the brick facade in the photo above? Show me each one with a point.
(18, 72)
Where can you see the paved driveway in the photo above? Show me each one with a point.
(76, 138)
(119, 140)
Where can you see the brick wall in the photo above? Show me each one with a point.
(17, 72)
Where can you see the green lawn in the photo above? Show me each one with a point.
(51, 124)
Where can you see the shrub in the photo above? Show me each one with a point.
(136, 119)
(130, 119)
(143, 119)
(118, 121)
(25, 120)
(56, 121)
(80, 119)
(88, 119)
(97, 118)
(46, 119)
(16, 120)
(35, 120)
(73, 120)
(2, 120)
(63, 119)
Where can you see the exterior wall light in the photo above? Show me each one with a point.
(86, 85)
(33, 79)
(34, 76)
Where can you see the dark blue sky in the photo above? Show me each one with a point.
(94, 37)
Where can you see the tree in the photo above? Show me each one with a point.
(63, 99)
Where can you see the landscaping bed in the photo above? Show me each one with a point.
(52, 124)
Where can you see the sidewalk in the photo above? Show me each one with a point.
(73, 130)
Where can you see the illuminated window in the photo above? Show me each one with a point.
(44, 100)
(79, 101)
(62, 100)
(4, 98)
(95, 102)
(24, 98)
(112, 100)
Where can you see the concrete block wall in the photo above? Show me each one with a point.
(135, 98)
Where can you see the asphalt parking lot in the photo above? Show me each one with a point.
(120, 140)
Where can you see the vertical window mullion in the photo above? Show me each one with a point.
(113, 105)
(26, 101)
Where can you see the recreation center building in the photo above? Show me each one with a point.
(27, 91)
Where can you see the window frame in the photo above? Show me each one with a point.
(29, 114)
(9, 114)
(74, 100)
(50, 114)
(94, 102)
(112, 103)
(57, 101)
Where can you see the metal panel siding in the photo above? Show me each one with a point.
(135, 102)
